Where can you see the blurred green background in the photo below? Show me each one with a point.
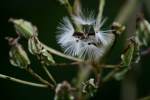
(46, 14)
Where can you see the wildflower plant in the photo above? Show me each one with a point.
(85, 43)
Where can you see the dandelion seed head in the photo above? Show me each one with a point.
(90, 43)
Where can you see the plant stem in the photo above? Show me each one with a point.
(77, 7)
(53, 51)
(22, 81)
(126, 11)
(49, 74)
(39, 78)
(145, 98)
(78, 63)
(66, 64)
(83, 74)
(109, 66)
(109, 75)
(68, 7)
(101, 8)
(71, 11)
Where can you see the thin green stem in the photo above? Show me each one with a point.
(65, 64)
(145, 98)
(53, 51)
(109, 76)
(100, 12)
(22, 81)
(127, 10)
(77, 7)
(49, 74)
(69, 7)
(39, 78)
(79, 63)
(83, 74)
(71, 12)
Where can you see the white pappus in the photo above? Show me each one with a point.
(90, 43)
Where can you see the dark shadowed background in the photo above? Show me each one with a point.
(46, 14)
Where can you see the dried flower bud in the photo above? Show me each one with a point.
(143, 32)
(89, 87)
(24, 28)
(64, 91)
(130, 56)
(46, 58)
(36, 48)
(18, 56)
(117, 28)
(131, 53)
(127, 56)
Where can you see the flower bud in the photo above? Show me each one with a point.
(36, 48)
(24, 28)
(46, 57)
(64, 92)
(89, 87)
(117, 28)
(34, 45)
(18, 56)
(143, 32)
(130, 56)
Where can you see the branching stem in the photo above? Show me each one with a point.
(39, 78)
(49, 75)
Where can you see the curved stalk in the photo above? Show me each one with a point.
(22, 81)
